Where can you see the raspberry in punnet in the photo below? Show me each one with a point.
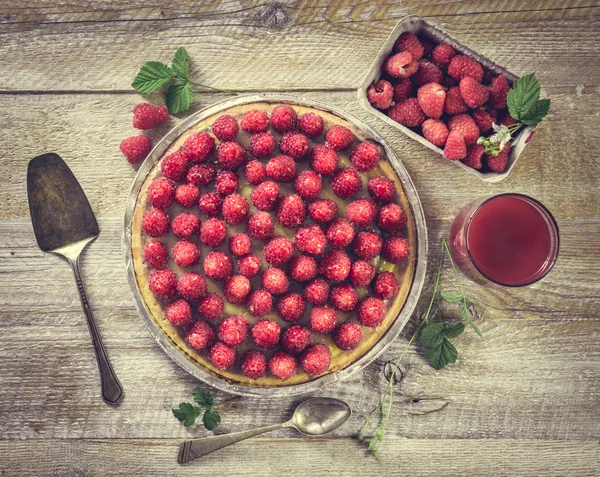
(499, 92)
(295, 339)
(371, 312)
(310, 240)
(403, 90)
(340, 233)
(308, 184)
(348, 336)
(381, 189)
(222, 356)
(210, 204)
(498, 163)
(386, 285)
(464, 124)
(213, 232)
(431, 98)
(198, 147)
(211, 306)
(187, 195)
(281, 168)
(275, 281)
(237, 288)
(339, 138)
(291, 211)
(323, 210)
(186, 253)
(136, 148)
(427, 73)
(346, 183)
(303, 268)
(163, 283)
(282, 365)
(262, 144)
(179, 312)
(311, 124)
(435, 131)
(473, 92)
(365, 157)
(442, 54)
(455, 148)
(200, 335)
(395, 249)
(260, 303)
(323, 160)
(218, 266)
(261, 226)
(455, 104)
(155, 223)
(191, 286)
(408, 41)
(231, 155)
(408, 113)
(266, 333)
(361, 273)
(343, 297)
(264, 196)
(255, 121)
(146, 116)
(291, 306)
(249, 265)
(380, 94)
(401, 65)
(174, 166)
(201, 174)
(323, 319)
(483, 119)
(278, 251)
(156, 254)
(391, 218)
(316, 292)
(294, 144)
(461, 66)
(254, 364)
(185, 225)
(227, 183)
(234, 330)
(240, 244)
(235, 209)
(367, 245)
(361, 212)
(161, 193)
(507, 120)
(284, 118)
(255, 172)
(316, 359)
(225, 128)
(474, 155)
(335, 265)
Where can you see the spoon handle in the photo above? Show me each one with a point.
(190, 450)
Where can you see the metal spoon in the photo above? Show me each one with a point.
(314, 417)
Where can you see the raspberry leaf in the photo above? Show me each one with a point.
(523, 95)
(187, 413)
(211, 419)
(452, 331)
(537, 112)
(432, 335)
(202, 397)
(443, 354)
(181, 63)
(179, 97)
(469, 319)
(152, 76)
(450, 297)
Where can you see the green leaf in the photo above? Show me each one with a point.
(537, 112)
(152, 76)
(452, 331)
(181, 64)
(187, 413)
(450, 297)
(211, 419)
(179, 97)
(202, 397)
(467, 316)
(441, 355)
(523, 95)
(432, 335)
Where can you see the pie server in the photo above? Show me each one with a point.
(64, 224)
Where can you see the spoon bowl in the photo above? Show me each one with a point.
(320, 416)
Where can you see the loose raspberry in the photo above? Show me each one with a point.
(282, 365)
(474, 155)
(284, 118)
(303, 268)
(155, 223)
(316, 292)
(343, 297)
(218, 266)
(146, 116)
(225, 128)
(395, 249)
(198, 147)
(161, 193)
(179, 312)
(185, 225)
(427, 73)
(381, 189)
(339, 138)
(261, 226)
(156, 254)
(234, 330)
(464, 124)
(213, 232)
(237, 288)
(136, 148)
(255, 121)
(462, 66)
(191, 286)
(308, 184)
(386, 285)
(316, 359)
(201, 174)
(499, 92)
(498, 163)
(361, 212)
(222, 356)
(371, 312)
(335, 265)
(295, 339)
(187, 195)
(264, 196)
(291, 211)
(291, 307)
(275, 281)
(294, 144)
(431, 99)
(311, 124)
(340, 233)
(408, 41)
(240, 244)
(254, 364)
(346, 183)
(235, 209)
(442, 54)
(186, 253)
(403, 90)
(361, 273)
(380, 94)
(231, 155)
(281, 168)
(482, 119)
(391, 218)
(227, 183)
(348, 336)
(310, 240)
(211, 204)
(408, 113)
(262, 144)
(174, 166)
(323, 319)
(323, 160)
(260, 303)
(266, 333)
(163, 283)
(365, 157)
(162, 114)
(455, 104)
(435, 131)
(249, 265)
(211, 306)
(323, 210)
(278, 251)
(473, 92)
(255, 172)
(200, 335)
(401, 65)
(367, 245)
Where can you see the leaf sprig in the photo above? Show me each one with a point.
(188, 413)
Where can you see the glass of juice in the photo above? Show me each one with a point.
(508, 239)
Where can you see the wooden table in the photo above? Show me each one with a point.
(522, 400)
